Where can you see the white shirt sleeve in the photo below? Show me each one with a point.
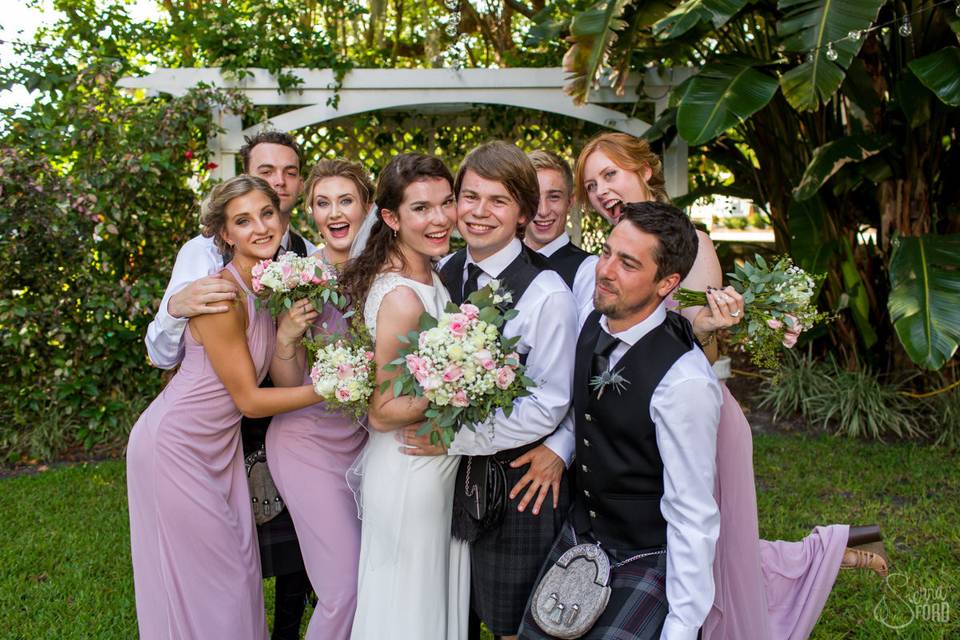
(584, 284)
(548, 327)
(686, 413)
(311, 248)
(164, 335)
(563, 441)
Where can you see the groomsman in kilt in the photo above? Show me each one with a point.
(547, 234)
(497, 195)
(196, 288)
(646, 409)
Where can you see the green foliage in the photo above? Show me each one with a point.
(938, 71)
(800, 378)
(592, 32)
(925, 297)
(831, 157)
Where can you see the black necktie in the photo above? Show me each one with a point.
(606, 343)
(473, 276)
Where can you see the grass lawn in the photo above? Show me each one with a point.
(64, 542)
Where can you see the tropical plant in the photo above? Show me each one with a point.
(840, 120)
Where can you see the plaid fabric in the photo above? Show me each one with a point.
(638, 603)
(505, 561)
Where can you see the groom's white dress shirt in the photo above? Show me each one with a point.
(585, 280)
(197, 258)
(546, 322)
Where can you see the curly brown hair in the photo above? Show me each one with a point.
(402, 171)
(630, 153)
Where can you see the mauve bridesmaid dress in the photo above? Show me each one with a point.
(196, 565)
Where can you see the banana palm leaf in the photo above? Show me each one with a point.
(724, 93)
(831, 157)
(807, 27)
(692, 12)
(592, 33)
(924, 302)
(940, 72)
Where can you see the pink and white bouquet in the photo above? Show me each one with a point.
(779, 304)
(343, 373)
(279, 283)
(462, 364)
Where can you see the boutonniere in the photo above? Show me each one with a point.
(609, 379)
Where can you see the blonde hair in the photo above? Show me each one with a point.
(548, 160)
(213, 209)
(627, 152)
(339, 169)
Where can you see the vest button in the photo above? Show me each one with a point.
(585, 468)
(586, 493)
(586, 442)
(593, 514)
(588, 417)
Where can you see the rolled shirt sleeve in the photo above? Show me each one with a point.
(686, 412)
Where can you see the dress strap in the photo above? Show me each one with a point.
(236, 274)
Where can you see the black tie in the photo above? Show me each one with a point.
(606, 343)
(473, 276)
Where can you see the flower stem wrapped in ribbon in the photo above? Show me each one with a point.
(462, 364)
(779, 303)
(343, 371)
(279, 283)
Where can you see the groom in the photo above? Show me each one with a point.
(646, 407)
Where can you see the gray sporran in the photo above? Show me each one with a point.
(573, 592)
(264, 498)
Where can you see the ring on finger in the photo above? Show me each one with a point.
(735, 313)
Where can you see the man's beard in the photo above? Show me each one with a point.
(614, 308)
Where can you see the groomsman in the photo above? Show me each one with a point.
(646, 408)
(497, 195)
(547, 234)
(196, 288)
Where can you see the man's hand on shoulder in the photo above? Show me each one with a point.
(206, 295)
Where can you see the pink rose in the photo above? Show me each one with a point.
(315, 279)
(430, 383)
(344, 371)
(305, 277)
(505, 377)
(422, 340)
(460, 399)
(486, 359)
(343, 395)
(452, 374)
(458, 325)
(258, 268)
(414, 364)
(368, 355)
(790, 339)
(470, 310)
(774, 324)
(421, 376)
(255, 283)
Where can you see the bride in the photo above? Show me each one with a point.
(414, 578)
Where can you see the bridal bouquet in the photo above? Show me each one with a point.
(343, 371)
(462, 364)
(778, 305)
(279, 283)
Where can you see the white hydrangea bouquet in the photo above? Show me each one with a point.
(279, 283)
(779, 303)
(462, 364)
(343, 371)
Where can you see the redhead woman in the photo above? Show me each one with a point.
(310, 450)
(196, 564)
(764, 590)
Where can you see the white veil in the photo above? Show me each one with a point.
(360, 241)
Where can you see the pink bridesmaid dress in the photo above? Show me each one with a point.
(309, 452)
(196, 564)
(764, 590)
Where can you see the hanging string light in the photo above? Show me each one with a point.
(906, 29)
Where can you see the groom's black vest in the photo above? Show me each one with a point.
(619, 470)
(566, 261)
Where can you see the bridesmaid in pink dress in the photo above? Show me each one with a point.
(310, 450)
(196, 565)
(764, 590)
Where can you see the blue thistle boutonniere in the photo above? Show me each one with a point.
(609, 379)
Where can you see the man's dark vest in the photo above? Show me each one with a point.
(297, 245)
(566, 261)
(619, 470)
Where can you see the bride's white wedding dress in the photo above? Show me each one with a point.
(414, 578)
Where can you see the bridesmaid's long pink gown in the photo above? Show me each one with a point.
(309, 452)
(196, 564)
(764, 590)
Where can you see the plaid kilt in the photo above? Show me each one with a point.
(638, 602)
(505, 561)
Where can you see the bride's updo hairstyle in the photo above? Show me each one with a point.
(383, 247)
(627, 152)
(213, 210)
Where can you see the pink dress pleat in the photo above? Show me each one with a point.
(196, 564)
(764, 590)
(309, 452)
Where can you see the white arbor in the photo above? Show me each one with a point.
(448, 90)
